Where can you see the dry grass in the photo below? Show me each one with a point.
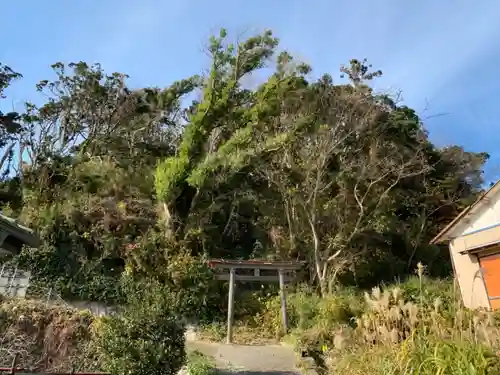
(46, 338)
(242, 334)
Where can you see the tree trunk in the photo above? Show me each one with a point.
(318, 261)
(168, 221)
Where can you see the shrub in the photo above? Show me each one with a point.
(424, 289)
(147, 337)
(189, 279)
(307, 310)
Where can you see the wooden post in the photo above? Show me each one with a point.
(283, 300)
(230, 306)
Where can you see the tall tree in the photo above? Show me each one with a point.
(221, 138)
(337, 178)
(9, 122)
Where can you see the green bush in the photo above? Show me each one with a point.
(306, 310)
(189, 279)
(424, 289)
(145, 338)
(199, 364)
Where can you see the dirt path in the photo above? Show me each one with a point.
(250, 360)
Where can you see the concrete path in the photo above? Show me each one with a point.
(249, 360)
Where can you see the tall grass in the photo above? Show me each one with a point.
(414, 328)
(394, 336)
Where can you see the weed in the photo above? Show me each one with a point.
(199, 364)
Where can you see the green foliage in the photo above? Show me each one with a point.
(85, 234)
(293, 168)
(64, 265)
(422, 355)
(427, 290)
(168, 174)
(194, 293)
(147, 337)
(7, 75)
(10, 128)
(132, 191)
(308, 310)
(425, 354)
(199, 364)
(203, 155)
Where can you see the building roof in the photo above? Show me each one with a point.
(24, 234)
(466, 214)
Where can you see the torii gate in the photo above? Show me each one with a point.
(263, 271)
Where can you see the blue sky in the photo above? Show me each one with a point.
(443, 55)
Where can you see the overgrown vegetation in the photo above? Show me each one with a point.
(199, 364)
(133, 189)
(146, 338)
(44, 337)
(415, 327)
